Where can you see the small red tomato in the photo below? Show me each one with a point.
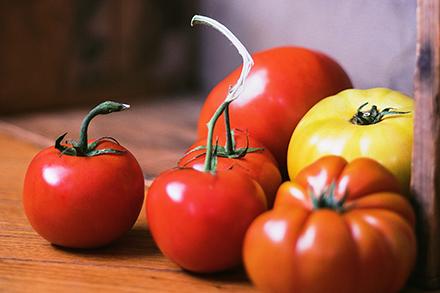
(281, 87)
(338, 227)
(249, 157)
(84, 195)
(198, 219)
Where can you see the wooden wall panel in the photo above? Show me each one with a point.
(425, 181)
(72, 52)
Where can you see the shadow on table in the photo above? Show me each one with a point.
(136, 243)
(237, 275)
(137, 248)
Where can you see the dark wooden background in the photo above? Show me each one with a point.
(74, 52)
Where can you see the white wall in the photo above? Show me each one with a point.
(373, 39)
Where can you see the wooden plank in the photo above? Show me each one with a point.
(425, 181)
(132, 264)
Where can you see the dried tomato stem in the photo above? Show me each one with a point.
(233, 93)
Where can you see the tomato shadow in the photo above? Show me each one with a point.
(233, 276)
(137, 249)
(136, 243)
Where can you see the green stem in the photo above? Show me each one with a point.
(82, 148)
(83, 133)
(373, 115)
(327, 199)
(229, 142)
(102, 109)
(208, 167)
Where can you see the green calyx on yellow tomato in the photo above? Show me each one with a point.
(338, 125)
(373, 115)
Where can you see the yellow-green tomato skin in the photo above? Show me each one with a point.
(326, 129)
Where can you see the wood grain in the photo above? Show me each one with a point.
(425, 179)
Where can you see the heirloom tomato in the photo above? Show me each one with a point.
(338, 227)
(282, 86)
(84, 195)
(375, 123)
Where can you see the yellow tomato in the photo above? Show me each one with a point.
(383, 132)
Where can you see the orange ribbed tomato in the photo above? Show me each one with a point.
(336, 228)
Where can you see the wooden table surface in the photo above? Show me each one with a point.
(157, 134)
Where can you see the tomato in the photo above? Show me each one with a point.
(337, 227)
(198, 219)
(83, 200)
(259, 164)
(328, 129)
(282, 86)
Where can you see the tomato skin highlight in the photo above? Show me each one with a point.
(368, 246)
(83, 202)
(259, 165)
(326, 129)
(282, 86)
(199, 219)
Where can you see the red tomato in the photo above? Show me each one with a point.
(85, 194)
(319, 243)
(281, 87)
(259, 165)
(198, 219)
(83, 202)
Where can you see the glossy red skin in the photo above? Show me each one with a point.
(83, 202)
(282, 86)
(260, 165)
(369, 247)
(199, 219)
